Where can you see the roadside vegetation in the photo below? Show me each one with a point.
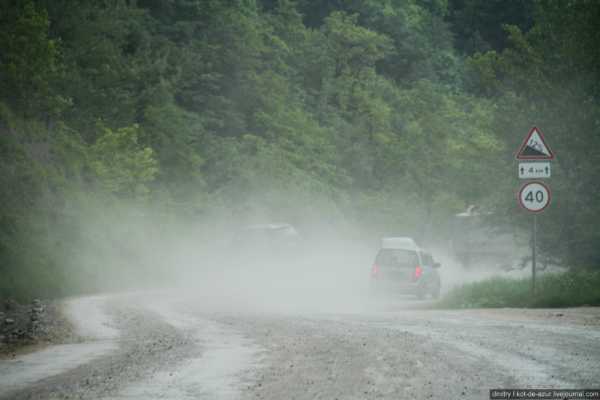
(126, 123)
(569, 289)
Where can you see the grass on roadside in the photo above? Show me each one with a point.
(569, 289)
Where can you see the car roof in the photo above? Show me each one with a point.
(399, 242)
(278, 229)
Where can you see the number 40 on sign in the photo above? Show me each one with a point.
(534, 196)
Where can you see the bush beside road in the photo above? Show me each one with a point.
(567, 289)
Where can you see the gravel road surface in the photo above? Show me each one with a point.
(167, 346)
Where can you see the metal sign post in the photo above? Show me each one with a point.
(534, 196)
(533, 253)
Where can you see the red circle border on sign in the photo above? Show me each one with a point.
(540, 183)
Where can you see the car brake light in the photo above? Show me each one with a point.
(374, 271)
(418, 272)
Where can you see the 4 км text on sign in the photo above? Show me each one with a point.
(534, 170)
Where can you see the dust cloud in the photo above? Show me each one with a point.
(320, 271)
(278, 262)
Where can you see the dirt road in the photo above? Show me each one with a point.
(163, 346)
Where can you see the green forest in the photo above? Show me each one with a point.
(126, 123)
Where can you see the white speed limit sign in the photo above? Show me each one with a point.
(534, 196)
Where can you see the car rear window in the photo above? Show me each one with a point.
(397, 258)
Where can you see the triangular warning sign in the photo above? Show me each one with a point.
(534, 147)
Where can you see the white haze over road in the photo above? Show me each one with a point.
(232, 344)
(235, 320)
(247, 320)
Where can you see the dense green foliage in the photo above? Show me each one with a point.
(389, 115)
(581, 288)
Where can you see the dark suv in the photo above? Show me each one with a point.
(402, 267)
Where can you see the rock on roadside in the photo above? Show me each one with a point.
(39, 322)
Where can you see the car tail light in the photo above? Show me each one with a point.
(374, 271)
(418, 272)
